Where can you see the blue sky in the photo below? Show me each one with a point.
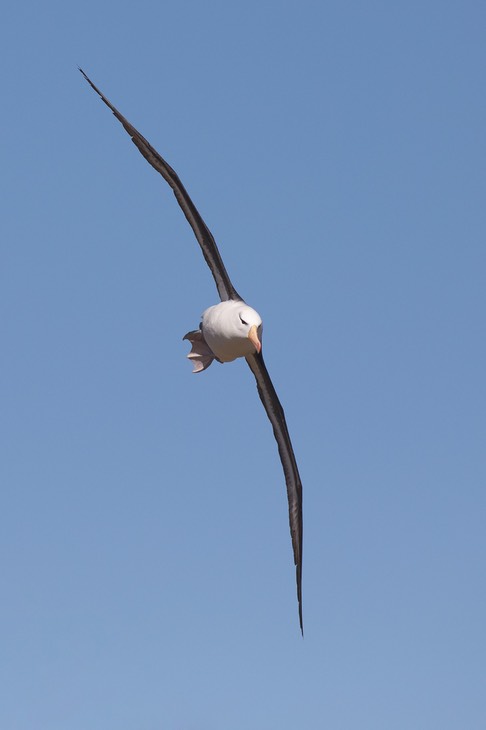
(337, 153)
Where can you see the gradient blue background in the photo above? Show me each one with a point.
(337, 152)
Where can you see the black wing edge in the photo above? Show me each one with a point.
(204, 236)
(276, 415)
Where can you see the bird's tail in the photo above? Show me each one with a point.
(201, 354)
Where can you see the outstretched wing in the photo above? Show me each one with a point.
(276, 415)
(204, 236)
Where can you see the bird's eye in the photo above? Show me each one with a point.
(242, 320)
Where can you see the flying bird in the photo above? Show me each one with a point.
(229, 330)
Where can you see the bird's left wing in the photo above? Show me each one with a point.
(204, 236)
(276, 415)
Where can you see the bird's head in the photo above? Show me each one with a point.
(250, 324)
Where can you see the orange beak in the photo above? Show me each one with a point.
(253, 337)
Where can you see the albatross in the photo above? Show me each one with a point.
(229, 330)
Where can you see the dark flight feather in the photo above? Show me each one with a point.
(204, 236)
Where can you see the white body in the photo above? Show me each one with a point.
(225, 328)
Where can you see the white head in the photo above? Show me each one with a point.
(250, 324)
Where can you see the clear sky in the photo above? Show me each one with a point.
(337, 152)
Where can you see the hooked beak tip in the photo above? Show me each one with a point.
(253, 337)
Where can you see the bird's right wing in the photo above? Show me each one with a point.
(276, 415)
(204, 236)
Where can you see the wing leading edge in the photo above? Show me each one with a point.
(276, 415)
(204, 236)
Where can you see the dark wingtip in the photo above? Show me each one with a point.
(95, 87)
(88, 80)
(299, 593)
